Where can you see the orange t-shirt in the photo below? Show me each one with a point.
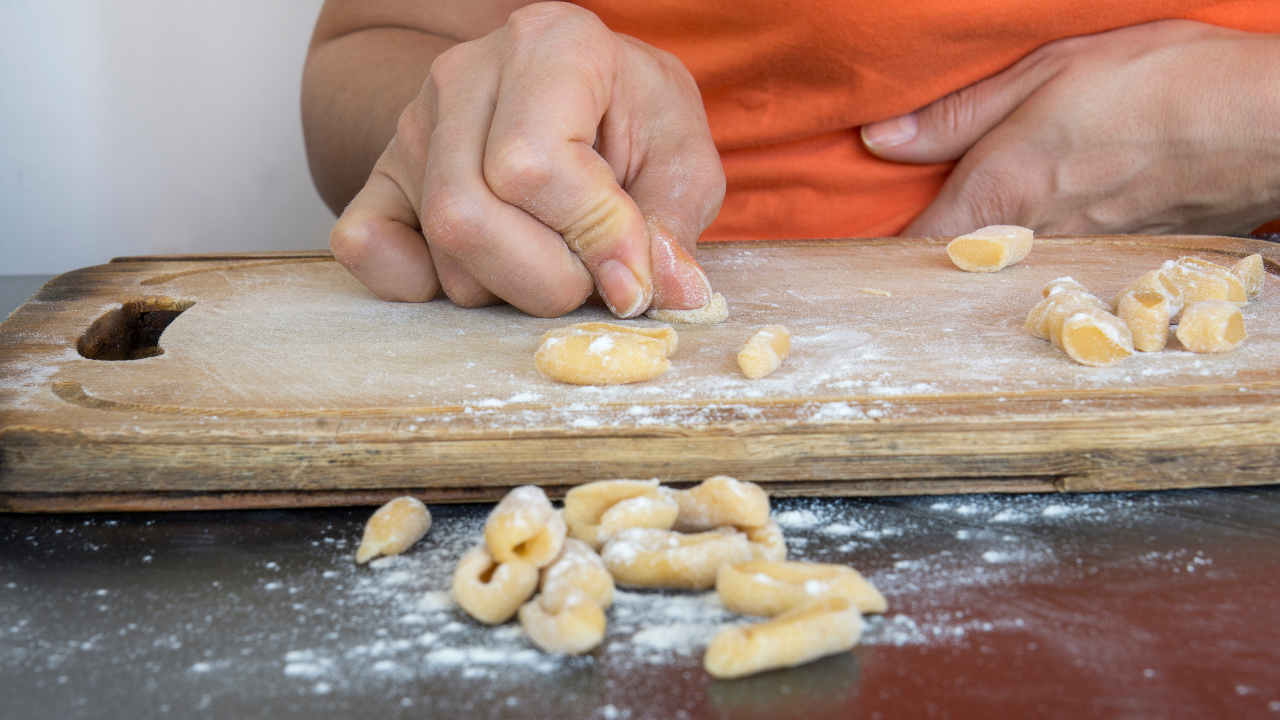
(787, 85)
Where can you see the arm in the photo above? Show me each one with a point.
(367, 62)
(1167, 127)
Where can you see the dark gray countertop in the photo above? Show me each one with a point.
(15, 289)
(1137, 605)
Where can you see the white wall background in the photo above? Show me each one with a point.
(152, 126)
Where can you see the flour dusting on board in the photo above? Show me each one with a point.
(309, 336)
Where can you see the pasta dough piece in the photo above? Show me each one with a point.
(1093, 337)
(765, 351)
(767, 542)
(1202, 280)
(1147, 316)
(1041, 320)
(1062, 284)
(716, 311)
(814, 630)
(603, 354)
(767, 588)
(489, 591)
(652, 558)
(719, 501)
(991, 248)
(1211, 326)
(1251, 271)
(572, 626)
(596, 511)
(578, 569)
(1080, 325)
(1158, 282)
(525, 527)
(665, 333)
(394, 528)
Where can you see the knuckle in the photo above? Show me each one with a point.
(992, 194)
(531, 21)
(517, 169)
(413, 132)
(352, 239)
(449, 66)
(452, 220)
(952, 115)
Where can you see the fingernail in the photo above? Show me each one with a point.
(891, 133)
(620, 289)
(680, 283)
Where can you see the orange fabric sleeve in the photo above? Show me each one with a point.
(787, 85)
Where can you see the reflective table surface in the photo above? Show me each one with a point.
(1148, 605)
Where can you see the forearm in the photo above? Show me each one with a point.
(367, 61)
(353, 91)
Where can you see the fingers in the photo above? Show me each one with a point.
(553, 96)
(377, 240)
(485, 247)
(678, 190)
(945, 129)
(678, 184)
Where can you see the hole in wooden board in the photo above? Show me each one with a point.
(131, 331)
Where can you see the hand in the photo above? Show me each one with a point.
(1167, 127)
(542, 159)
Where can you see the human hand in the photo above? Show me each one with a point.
(1167, 127)
(543, 159)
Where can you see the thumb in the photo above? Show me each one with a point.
(945, 129)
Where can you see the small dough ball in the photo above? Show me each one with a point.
(1202, 280)
(1093, 337)
(578, 569)
(765, 351)
(991, 248)
(597, 510)
(604, 354)
(1147, 315)
(1046, 318)
(719, 501)
(525, 527)
(665, 333)
(1156, 281)
(647, 557)
(716, 311)
(571, 627)
(1211, 326)
(490, 591)
(394, 528)
(1062, 284)
(767, 542)
(1251, 271)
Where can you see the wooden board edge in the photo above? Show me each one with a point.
(90, 502)
(1187, 242)
(77, 503)
(218, 257)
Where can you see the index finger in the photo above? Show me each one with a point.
(555, 90)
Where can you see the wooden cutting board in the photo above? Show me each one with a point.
(282, 382)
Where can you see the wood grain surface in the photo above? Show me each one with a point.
(276, 380)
